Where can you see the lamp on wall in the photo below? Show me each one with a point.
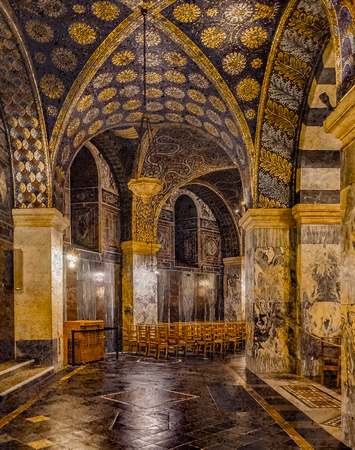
(145, 187)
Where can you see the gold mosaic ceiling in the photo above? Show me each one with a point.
(206, 62)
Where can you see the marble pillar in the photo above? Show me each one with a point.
(234, 289)
(269, 289)
(341, 124)
(38, 244)
(318, 281)
(139, 282)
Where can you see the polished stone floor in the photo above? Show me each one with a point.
(209, 402)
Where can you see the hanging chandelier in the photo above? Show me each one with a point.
(145, 187)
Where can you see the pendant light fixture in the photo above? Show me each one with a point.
(145, 187)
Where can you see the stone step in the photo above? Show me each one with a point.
(12, 367)
(25, 377)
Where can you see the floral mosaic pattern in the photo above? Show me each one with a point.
(236, 37)
(303, 40)
(178, 92)
(61, 36)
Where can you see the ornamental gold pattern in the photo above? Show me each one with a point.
(82, 33)
(123, 58)
(199, 81)
(217, 103)
(64, 59)
(126, 76)
(174, 92)
(196, 95)
(187, 12)
(110, 107)
(107, 94)
(39, 31)
(175, 77)
(175, 59)
(52, 86)
(234, 63)
(213, 37)
(103, 80)
(153, 77)
(239, 13)
(105, 10)
(154, 93)
(248, 89)
(85, 103)
(254, 37)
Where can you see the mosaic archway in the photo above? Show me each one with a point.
(23, 119)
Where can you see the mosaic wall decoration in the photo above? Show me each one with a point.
(61, 36)
(236, 37)
(345, 11)
(296, 56)
(178, 93)
(180, 155)
(24, 125)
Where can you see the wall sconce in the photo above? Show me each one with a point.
(72, 261)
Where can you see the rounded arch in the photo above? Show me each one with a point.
(24, 120)
(286, 87)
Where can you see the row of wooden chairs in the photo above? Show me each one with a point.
(178, 336)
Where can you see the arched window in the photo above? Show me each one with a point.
(84, 187)
(186, 232)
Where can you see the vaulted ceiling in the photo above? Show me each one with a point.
(217, 66)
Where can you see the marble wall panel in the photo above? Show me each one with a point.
(186, 296)
(233, 307)
(145, 308)
(319, 296)
(93, 291)
(270, 299)
(348, 305)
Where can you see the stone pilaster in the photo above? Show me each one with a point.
(269, 289)
(139, 282)
(234, 288)
(38, 244)
(341, 124)
(318, 281)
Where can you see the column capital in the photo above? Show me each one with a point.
(267, 218)
(143, 248)
(234, 261)
(340, 123)
(320, 214)
(40, 217)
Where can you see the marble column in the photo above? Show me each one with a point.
(269, 289)
(38, 245)
(234, 289)
(318, 281)
(341, 124)
(139, 282)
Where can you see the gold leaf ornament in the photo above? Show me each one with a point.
(294, 69)
(276, 165)
(308, 25)
(281, 117)
(265, 202)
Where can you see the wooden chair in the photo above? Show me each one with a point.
(173, 338)
(142, 332)
(125, 338)
(152, 340)
(331, 357)
(218, 336)
(133, 338)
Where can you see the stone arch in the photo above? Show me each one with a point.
(305, 25)
(23, 117)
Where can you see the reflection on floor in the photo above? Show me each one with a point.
(193, 402)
